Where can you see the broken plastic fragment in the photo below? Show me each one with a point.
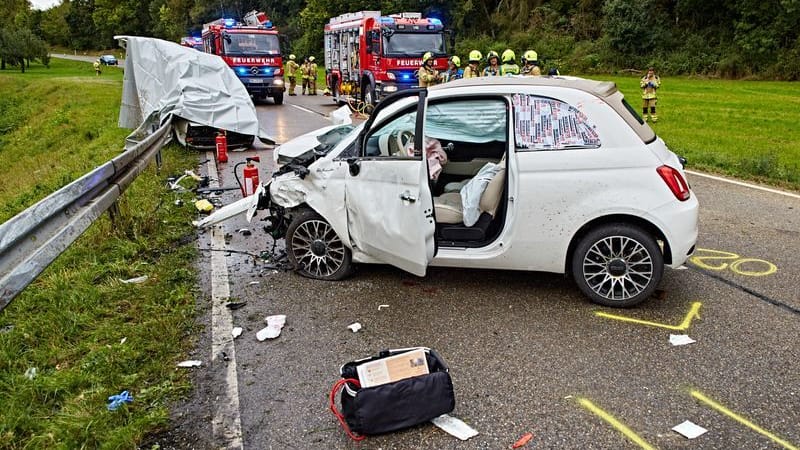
(236, 332)
(244, 231)
(190, 363)
(136, 280)
(253, 283)
(689, 429)
(115, 401)
(523, 440)
(204, 205)
(380, 307)
(31, 373)
(273, 329)
(123, 340)
(454, 427)
(354, 327)
(235, 305)
(680, 339)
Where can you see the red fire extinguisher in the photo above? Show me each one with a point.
(250, 175)
(222, 147)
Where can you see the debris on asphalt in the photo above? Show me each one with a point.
(236, 332)
(204, 205)
(123, 340)
(680, 339)
(136, 280)
(380, 307)
(254, 283)
(31, 373)
(454, 427)
(6, 329)
(354, 327)
(522, 441)
(225, 357)
(190, 363)
(115, 401)
(244, 231)
(681, 268)
(689, 429)
(233, 306)
(274, 325)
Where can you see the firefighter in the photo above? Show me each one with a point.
(428, 76)
(472, 70)
(312, 81)
(509, 66)
(97, 67)
(650, 84)
(305, 70)
(530, 64)
(454, 71)
(493, 65)
(292, 69)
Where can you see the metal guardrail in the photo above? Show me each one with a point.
(34, 238)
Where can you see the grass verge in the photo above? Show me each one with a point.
(88, 335)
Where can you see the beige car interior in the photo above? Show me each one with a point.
(448, 206)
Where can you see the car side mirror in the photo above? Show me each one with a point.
(354, 165)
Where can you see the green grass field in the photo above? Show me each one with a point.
(57, 124)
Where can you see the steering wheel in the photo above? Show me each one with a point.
(402, 139)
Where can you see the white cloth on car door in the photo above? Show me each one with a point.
(471, 192)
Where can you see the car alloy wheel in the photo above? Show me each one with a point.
(315, 250)
(618, 265)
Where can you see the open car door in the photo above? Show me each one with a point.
(388, 200)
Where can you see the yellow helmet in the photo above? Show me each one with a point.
(475, 56)
(509, 56)
(426, 57)
(311, 59)
(529, 56)
(292, 57)
(492, 54)
(455, 60)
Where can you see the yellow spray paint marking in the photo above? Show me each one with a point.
(693, 312)
(699, 396)
(619, 426)
(734, 263)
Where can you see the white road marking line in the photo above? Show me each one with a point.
(309, 111)
(742, 183)
(226, 421)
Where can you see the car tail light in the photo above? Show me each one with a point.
(675, 182)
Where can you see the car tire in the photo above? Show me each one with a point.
(278, 98)
(315, 250)
(618, 265)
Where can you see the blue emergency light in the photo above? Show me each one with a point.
(435, 21)
(229, 23)
(405, 76)
(387, 20)
(241, 70)
(268, 70)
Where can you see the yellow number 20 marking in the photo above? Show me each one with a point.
(718, 260)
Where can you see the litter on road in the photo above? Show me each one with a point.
(273, 329)
(354, 327)
(31, 373)
(136, 280)
(455, 427)
(233, 306)
(236, 332)
(190, 363)
(689, 429)
(380, 307)
(680, 339)
(204, 205)
(115, 401)
(522, 441)
(123, 340)
(244, 231)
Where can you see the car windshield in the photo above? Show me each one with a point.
(413, 44)
(251, 44)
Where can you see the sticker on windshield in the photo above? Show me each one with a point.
(547, 124)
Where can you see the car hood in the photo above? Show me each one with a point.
(303, 146)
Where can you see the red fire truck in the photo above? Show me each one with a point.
(368, 56)
(193, 42)
(253, 51)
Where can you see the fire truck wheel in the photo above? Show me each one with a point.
(369, 94)
(278, 98)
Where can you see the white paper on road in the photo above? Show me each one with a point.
(455, 427)
(273, 329)
(190, 363)
(164, 79)
(680, 339)
(689, 429)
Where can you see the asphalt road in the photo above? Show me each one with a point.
(528, 353)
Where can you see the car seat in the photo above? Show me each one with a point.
(450, 211)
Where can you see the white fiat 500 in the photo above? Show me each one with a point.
(539, 174)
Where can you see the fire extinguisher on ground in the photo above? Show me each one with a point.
(222, 147)
(249, 175)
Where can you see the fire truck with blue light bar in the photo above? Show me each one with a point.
(369, 56)
(252, 49)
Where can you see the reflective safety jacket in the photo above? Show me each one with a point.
(472, 72)
(453, 74)
(531, 70)
(649, 87)
(428, 76)
(293, 69)
(490, 71)
(509, 69)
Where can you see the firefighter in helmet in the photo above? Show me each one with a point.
(530, 64)
(492, 68)
(427, 74)
(97, 67)
(305, 70)
(454, 71)
(312, 82)
(292, 69)
(650, 84)
(509, 66)
(472, 70)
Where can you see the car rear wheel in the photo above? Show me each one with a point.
(617, 265)
(315, 250)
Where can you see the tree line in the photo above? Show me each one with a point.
(736, 38)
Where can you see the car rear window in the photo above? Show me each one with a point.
(542, 123)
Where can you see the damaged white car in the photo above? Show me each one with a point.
(538, 174)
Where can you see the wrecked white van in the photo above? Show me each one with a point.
(539, 174)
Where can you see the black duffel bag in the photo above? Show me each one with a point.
(393, 406)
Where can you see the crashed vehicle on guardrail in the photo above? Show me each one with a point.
(539, 174)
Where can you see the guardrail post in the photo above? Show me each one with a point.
(158, 162)
(113, 212)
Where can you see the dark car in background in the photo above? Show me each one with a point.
(108, 60)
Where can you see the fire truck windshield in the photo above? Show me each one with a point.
(413, 44)
(251, 44)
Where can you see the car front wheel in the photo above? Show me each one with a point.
(617, 265)
(315, 250)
